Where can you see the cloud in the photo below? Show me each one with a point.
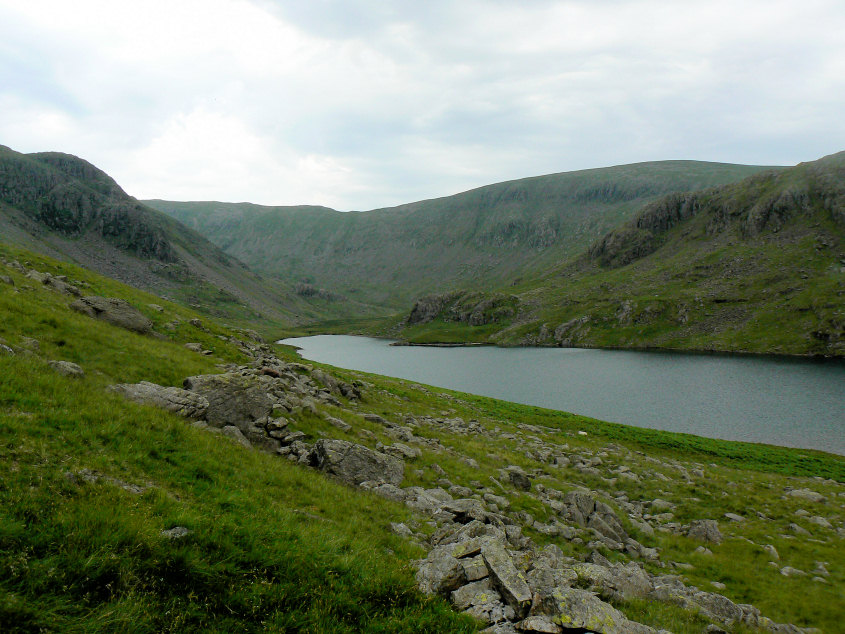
(367, 104)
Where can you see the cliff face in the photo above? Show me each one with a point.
(72, 197)
(765, 202)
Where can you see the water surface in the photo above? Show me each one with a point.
(780, 401)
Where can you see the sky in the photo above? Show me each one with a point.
(366, 104)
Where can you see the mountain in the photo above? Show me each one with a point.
(63, 206)
(485, 237)
(754, 266)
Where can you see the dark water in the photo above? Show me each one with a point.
(795, 403)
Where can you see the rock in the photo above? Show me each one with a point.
(67, 368)
(575, 608)
(705, 531)
(734, 517)
(177, 532)
(519, 478)
(476, 593)
(196, 323)
(233, 398)
(194, 347)
(401, 451)
(615, 582)
(506, 578)
(789, 571)
(173, 399)
(798, 530)
(339, 424)
(355, 463)
(772, 552)
(538, 625)
(440, 573)
(114, 311)
(6, 350)
(156, 307)
(236, 434)
(474, 568)
(807, 494)
(400, 529)
(466, 510)
(820, 521)
(7, 280)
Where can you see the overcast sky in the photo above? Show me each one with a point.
(363, 104)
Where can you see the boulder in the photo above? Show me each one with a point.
(440, 573)
(574, 608)
(355, 463)
(705, 531)
(615, 582)
(173, 399)
(233, 399)
(114, 311)
(807, 494)
(505, 577)
(67, 368)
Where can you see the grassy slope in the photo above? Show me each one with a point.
(278, 547)
(273, 547)
(483, 237)
(56, 203)
(779, 290)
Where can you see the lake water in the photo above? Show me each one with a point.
(795, 403)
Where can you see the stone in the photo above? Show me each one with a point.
(506, 578)
(233, 398)
(466, 510)
(339, 424)
(400, 529)
(67, 368)
(6, 350)
(194, 347)
(705, 531)
(440, 573)
(538, 625)
(474, 568)
(615, 582)
(734, 517)
(519, 478)
(177, 532)
(789, 571)
(237, 435)
(820, 521)
(476, 593)
(807, 494)
(156, 307)
(173, 399)
(575, 608)
(355, 463)
(117, 312)
(772, 552)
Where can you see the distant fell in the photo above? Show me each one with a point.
(484, 237)
(65, 207)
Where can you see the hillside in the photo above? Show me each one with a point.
(755, 266)
(484, 237)
(65, 207)
(187, 477)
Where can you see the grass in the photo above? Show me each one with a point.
(276, 547)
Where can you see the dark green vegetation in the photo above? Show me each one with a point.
(279, 547)
(482, 238)
(63, 206)
(757, 266)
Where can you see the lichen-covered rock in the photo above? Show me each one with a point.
(67, 368)
(575, 608)
(117, 312)
(615, 582)
(173, 399)
(355, 463)
(506, 578)
(440, 573)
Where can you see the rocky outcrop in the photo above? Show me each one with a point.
(117, 312)
(473, 308)
(355, 464)
(173, 399)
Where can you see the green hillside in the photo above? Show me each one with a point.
(756, 266)
(484, 237)
(118, 516)
(65, 207)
